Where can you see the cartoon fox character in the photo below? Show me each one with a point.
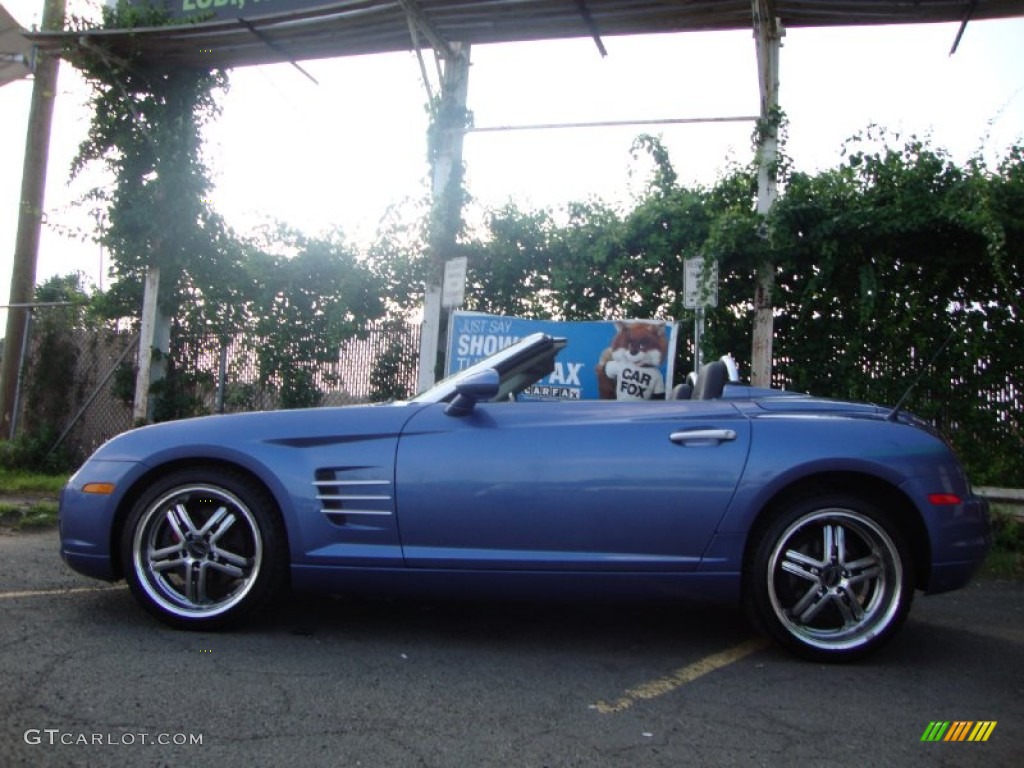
(630, 368)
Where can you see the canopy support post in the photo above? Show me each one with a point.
(447, 132)
(768, 34)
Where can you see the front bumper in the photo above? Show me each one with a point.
(86, 520)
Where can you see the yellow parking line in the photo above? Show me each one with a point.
(50, 592)
(680, 677)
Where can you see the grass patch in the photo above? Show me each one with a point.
(37, 516)
(20, 481)
(1006, 560)
(1007, 566)
(28, 500)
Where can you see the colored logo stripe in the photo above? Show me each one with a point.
(958, 730)
(982, 730)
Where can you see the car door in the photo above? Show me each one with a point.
(567, 485)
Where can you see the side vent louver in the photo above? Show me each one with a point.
(345, 493)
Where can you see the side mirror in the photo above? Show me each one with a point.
(481, 386)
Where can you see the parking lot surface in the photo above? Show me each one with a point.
(89, 679)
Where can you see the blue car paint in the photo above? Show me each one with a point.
(795, 439)
(541, 486)
(283, 448)
(572, 497)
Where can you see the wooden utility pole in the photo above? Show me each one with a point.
(30, 214)
(768, 41)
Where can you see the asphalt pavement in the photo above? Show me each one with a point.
(88, 678)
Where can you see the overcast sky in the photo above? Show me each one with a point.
(339, 153)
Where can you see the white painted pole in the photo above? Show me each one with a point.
(768, 42)
(147, 330)
(447, 160)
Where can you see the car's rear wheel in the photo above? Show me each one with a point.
(204, 548)
(830, 578)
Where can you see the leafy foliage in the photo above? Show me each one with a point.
(391, 368)
(602, 263)
(308, 302)
(31, 452)
(300, 296)
(52, 359)
(887, 256)
(147, 129)
(875, 263)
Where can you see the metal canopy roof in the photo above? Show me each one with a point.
(15, 50)
(352, 27)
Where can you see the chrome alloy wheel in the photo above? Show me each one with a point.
(196, 551)
(835, 580)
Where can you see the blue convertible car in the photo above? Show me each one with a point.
(822, 518)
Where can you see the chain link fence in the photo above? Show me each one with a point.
(78, 384)
(223, 375)
(78, 381)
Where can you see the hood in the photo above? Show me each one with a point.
(298, 427)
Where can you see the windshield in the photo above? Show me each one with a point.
(518, 365)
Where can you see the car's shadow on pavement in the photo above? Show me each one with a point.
(939, 632)
(598, 626)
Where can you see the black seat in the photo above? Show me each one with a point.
(682, 391)
(711, 381)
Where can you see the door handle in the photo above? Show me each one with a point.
(687, 436)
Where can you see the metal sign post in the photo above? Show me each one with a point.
(700, 289)
(698, 333)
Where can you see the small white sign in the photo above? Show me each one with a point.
(453, 290)
(697, 292)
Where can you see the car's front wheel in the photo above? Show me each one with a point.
(204, 548)
(830, 578)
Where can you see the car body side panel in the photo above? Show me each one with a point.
(350, 452)
(566, 485)
(788, 449)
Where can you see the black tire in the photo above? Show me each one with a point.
(830, 578)
(204, 548)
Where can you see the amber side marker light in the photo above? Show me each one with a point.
(103, 489)
(944, 499)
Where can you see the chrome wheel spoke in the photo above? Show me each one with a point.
(197, 551)
(835, 580)
(177, 517)
(214, 529)
(195, 583)
(811, 600)
(864, 569)
(231, 570)
(799, 564)
(229, 562)
(832, 540)
(850, 609)
(866, 576)
(167, 558)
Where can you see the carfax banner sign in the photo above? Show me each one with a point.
(610, 360)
